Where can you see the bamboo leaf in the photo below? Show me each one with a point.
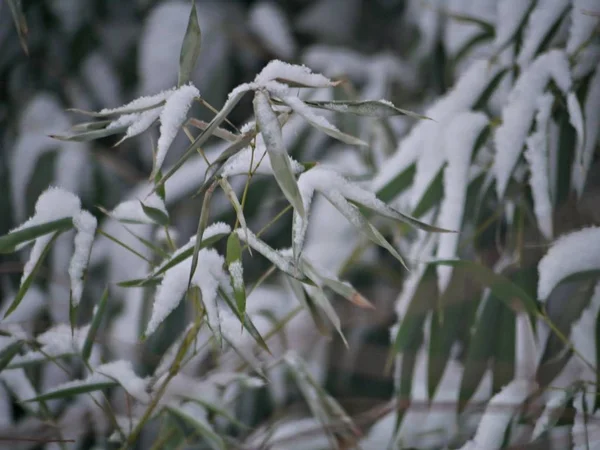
(233, 199)
(10, 241)
(20, 23)
(27, 282)
(202, 428)
(501, 286)
(369, 108)
(280, 161)
(234, 264)
(156, 215)
(9, 352)
(94, 326)
(202, 223)
(90, 135)
(190, 48)
(71, 391)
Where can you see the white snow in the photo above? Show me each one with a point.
(237, 274)
(268, 22)
(139, 122)
(582, 24)
(576, 120)
(592, 126)
(150, 101)
(56, 341)
(85, 224)
(208, 276)
(526, 352)
(510, 15)
(518, 114)
(261, 247)
(540, 21)
(537, 157)
(300, 74)
(571, 253)
(172, 117)
(498, 414)
(459, 138)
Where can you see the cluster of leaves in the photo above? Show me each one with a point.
(510, 329)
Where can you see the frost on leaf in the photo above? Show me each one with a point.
(85, 224)
(459, 138)
(520, 109)
(570, 254)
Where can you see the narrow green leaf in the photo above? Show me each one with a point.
(246, 321)
(90, 135)
(501, 286)
(309, 305)
(369, 108)
(234, 264)
(202, 223)
(346, 290)
(233, 199)
(432, 196)
(9, 352)
(27, 282)
(90, 126)
(141, 282)
(156, 215)
(280, 161)
(392, 213)
(160, 191)
(471, 20)
(597, 401)
(94, 326)
(122, 110)
(190, 48)
(10, 241)
(71, 391)
(397, 184)
(20, 23)
(354, 216)
(202, 428)
(321, 300)
(480, 349)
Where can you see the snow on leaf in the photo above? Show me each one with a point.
(498, 414)
(298, 74)
(280, 161)
(172, 117)
(168, 295)
(320, 122)
(541, 20)
(132, 210)
(58, 341)
(592, 127)
(460, 136)
(139, 104)
(281, 262)
(519, 112)
(575, 252)
(269, 23)
(537, 157)
(576, 120)
(138, 123)
(582, 24)
(526, 352)
(510, 15)
(85, 224)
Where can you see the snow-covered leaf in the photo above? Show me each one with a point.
(570, 254)
(13, 240)
(236, 271)
(280, 161)
(368, 108)
(99, 310)
(85, 225)
(321, 122)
